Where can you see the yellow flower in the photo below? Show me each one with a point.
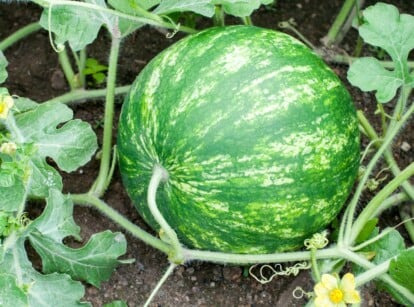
(6, 103)
(332, 292)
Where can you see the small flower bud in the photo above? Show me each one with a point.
(8, 148)
(6, 103)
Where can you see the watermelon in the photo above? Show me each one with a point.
(259, 138)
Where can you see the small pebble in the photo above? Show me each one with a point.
(405, 146)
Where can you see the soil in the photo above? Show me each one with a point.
(34, 72)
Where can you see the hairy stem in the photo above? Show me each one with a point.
(67, 69)
(380, 197)
(91, 200)
(82, 95)
(247, 259)
(101, 182)
(338, 24)
(19, 34)
(376, 271)
(167, 274)
(159, 175)
(391, 133)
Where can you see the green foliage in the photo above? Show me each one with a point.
(35, 133)
(402, 269)
(96, 70)
(384, 27)
(39, 140)
(78, 27)
(3, 65)
(239, 8)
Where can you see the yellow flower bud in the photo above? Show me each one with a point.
(6, 103)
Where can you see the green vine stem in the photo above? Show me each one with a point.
(391, 133)
(67, 69)
(376, 271)
(95, 202)
(391, 201)
(409, 225)
(337, 26)
(408, 188)
(169, 271)
(332, 56)
(101, 182)
(81, 95)
(19, 34)
(219, 17)
(159, 175)
(370, 209)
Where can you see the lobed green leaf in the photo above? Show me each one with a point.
(56, 221)
(383, 26)
(70, 145)
(27, 286)
(93, 262)
(369, 75)
(78, 27)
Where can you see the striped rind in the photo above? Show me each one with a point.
(259, 137)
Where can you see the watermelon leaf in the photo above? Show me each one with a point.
(26, 287)
(202, 7)
(70, 24)
(241, 8)
(56, 220)
(3, 65)
(78, 27)
(93, 262)
(369, 75)
(387, 247)
(70, 146)
(384, 27)
(402, 269)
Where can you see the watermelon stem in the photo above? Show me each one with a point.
(160, 174)
(351, 231)
(89, 199)
(164, 277)
(82, 95)
(102, 181)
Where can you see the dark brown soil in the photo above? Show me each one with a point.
(34, 72)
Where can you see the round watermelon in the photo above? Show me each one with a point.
(259, 137)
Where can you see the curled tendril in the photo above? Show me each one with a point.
(277, 270)
(176, 26)
(318, 241)
(298, 293)
(23, 219)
